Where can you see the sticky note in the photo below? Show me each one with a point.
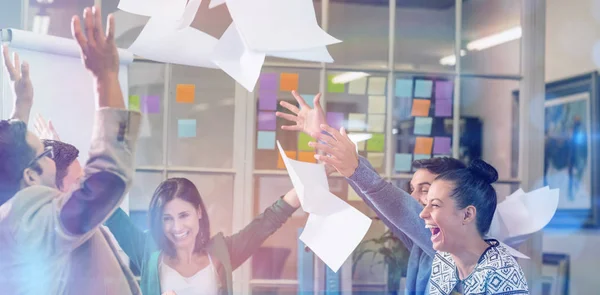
(357, 122)
(423, 145)
(265, 140)
(361, 145)
(303, 140)
(268, 81)
(443, 90)
(376, 123)
(186, 128)
(423, 88)
(333, 87)
(403, 107)
(358, 86)
(267, 121)
(441, 145)
(335, 120)
(423, 125)
(134, 102)
(421, 157)
(352, 195)
(376, 159)
(402, 162)
(288, 82)
(151, 104)
(376, 104)
(404, 88)
(443, 108)
(307, 157)
(376, 143)
(377, 85)
(309, 99)
(290, 154)
(267, 101)
(185, 93)
(420, 107)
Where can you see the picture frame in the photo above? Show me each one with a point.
(555, 274)
(571, 158)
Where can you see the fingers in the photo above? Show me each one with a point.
(98, 33)
(300, 100)
(88, 19)
(290, 107)
(78, 34)
(332, 161)
(291, 127)
(25, 70)
(326, 138)
(17, 65)
(336, 134)
(325, 148)
(317, 102)
(288, 117)
(110, 29)
(8, 63)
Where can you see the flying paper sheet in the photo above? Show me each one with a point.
(358, 138)
(334, 228)
(275, 25)
(188, 14)
(170, 8)
(215, 3)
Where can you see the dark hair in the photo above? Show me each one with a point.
(439, 165)
(15, 155)
(168, 190)
(64, 155)
(473, 186)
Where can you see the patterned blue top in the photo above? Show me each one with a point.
(497, 272)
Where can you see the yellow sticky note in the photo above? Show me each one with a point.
(376, 104)
(376, 123)
(376, 159)
(307, 157)
(185, 93)
(352, 195)
(423, 145)
(134, 102)
(289, 154)
(357, 122)
(420, 107)
(288, 82)
(361, 145)
(377, 85)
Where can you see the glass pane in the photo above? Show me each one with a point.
(275, 85)
(217, 193)
(53, 19)
(275, 290)
(357, 101)
(364, 29)
(424, 35)
(422, 119)
(142, 189)
(491, 34)
(489, 130)
(201, 108)
(146, 86)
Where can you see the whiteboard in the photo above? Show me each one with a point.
(63, 88)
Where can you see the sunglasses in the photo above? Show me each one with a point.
(48, 152)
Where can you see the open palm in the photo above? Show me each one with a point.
(306, 119)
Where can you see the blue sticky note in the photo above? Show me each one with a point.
(421, 157)
(423, 125)
(265, 140)
(423, 88)
(404, 88)
(403, 162)
(308, 98)
(186, 128)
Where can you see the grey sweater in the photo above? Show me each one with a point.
(400, 212)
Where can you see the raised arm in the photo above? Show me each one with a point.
(131, 239)
(244, 243)
(23, 89)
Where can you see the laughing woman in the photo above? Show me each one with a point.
(459, 211)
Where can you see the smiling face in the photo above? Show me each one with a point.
(420, 183)
(180, 223)
(446, 222)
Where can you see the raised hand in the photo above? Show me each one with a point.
(98, 51)
(339, 149)
(23, 89)
(45, 129)
(306, 119)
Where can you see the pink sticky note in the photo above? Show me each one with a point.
(443, 90)
(267, 121)
(441, 145)
(335, 120)
(443, 108)
(151, 104)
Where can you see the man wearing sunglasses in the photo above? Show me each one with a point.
(50, 240)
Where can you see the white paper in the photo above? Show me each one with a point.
(189, 14)
(172, 9)
(215, 3)
(318, 54)
(275, 25)
(237, 60)
(334, 228)
(161, 41)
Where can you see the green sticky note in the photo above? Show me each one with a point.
(376, 143)
(134, 102)
(333, 87)
(423, 125)
(303, 140)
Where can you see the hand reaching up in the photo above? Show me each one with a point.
(45, 129)
(340, 150)
(23, 89)
(307, 119)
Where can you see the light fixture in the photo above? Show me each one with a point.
(41, 23)
(450, 60)
(347, 77)
(496, 39)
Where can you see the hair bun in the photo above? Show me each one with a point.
(483, 170)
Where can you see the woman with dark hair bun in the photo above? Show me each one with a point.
(459, 211)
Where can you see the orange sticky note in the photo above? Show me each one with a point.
(307, 157)
(185, 93)
(420, 107)
(288, 82)
(423, 145)
(289, 154)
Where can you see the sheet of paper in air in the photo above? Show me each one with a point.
(275, 25)
(334, 228)
(188, 14)
(171, 8)
(358, 137)
(233, 56)
(160, 40)
(215, 3)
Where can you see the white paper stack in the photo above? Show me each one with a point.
(523, 214)
(260, 28)
(334, 228)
